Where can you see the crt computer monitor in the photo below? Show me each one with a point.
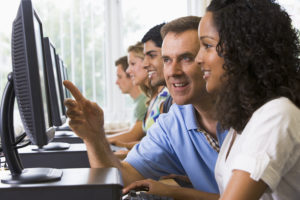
(54, 84)
(29, 84)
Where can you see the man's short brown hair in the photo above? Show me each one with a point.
(123, 62)
(180, 25)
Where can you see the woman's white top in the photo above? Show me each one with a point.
(268, 148)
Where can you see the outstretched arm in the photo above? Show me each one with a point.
(86, 120)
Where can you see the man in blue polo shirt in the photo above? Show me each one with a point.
(184, 141)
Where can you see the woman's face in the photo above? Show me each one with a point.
(136, 70)
(211, 63)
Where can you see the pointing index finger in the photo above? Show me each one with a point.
(74, 91)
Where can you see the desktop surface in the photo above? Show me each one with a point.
(75, 184)
(66, 136)
(74, 157)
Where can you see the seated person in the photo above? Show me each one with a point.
(152, 62)
(127, 87)
(139, 78)
(252, 67)
(185, 141)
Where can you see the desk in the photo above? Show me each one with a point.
(75, 184)
(74, 157)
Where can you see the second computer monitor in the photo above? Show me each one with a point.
(54, 84)
(64, 76)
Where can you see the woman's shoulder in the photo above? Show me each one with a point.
(281, 105)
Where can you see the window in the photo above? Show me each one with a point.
(89, 35)
(139, 16)
(293, 9)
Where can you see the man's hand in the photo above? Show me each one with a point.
(86, 120)
(152, 186)
(86, 117)
(176, 192)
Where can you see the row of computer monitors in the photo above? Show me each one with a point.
(56, 74)
(38, 75)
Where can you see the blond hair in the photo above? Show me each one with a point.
(137, 49)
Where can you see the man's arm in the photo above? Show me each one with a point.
(176, 192)
(86, 120)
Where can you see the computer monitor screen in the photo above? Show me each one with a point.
(60, 73)
(54, 84)
(30, 80)
(65, 77)
(41, 69)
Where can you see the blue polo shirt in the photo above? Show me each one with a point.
(174, 146)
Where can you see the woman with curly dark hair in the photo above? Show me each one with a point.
(249, 53)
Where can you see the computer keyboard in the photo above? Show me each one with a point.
(133, 195)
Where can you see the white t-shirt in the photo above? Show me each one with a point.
(268, 148)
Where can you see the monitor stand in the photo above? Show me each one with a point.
(52, 146)
(75, 184)
(18, 174)
(33, 175)
(66, 136)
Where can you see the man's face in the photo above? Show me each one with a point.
(125, 84)
(153, 63)
(182, 74)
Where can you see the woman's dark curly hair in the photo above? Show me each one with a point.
(261, 54)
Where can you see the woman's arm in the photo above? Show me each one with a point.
(136, 133)
(242, 187)
(115, 131)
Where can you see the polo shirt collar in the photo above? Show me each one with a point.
(190, 117)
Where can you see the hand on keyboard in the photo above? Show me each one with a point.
(154, 187)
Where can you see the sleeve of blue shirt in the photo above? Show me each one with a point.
(154, 156)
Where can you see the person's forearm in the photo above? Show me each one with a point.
(127, 136)
(116, 131)
(100, 154)
(134, 134)
(129, 174)
(180, 193)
